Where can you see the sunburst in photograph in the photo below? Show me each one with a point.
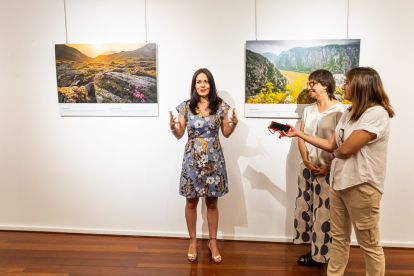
(106, 73)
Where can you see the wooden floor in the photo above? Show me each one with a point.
(47, 254)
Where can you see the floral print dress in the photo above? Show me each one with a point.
(204, 169)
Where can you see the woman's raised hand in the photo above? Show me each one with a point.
(173, 121)
(233, 118)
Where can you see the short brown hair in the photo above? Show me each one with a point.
(325, 78)
(366, 90)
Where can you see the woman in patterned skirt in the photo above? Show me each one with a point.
(203, 172)
(312, 219)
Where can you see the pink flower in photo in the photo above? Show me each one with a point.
(138, 86)
(113, 86)
(142, 101)
(127, 89)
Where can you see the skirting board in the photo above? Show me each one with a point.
(171, 235)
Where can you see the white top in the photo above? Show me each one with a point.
(368, 164)
(321, 124)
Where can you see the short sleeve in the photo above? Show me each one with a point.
(183, 109)
(338, 116)
(223, 110)
(374, 120)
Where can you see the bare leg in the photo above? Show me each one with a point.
(212, 218)
(191, 218)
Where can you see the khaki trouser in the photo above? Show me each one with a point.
(358, 206)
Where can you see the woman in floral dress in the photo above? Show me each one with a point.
(204, 170)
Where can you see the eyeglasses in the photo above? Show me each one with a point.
(312, 83)
(341, 134)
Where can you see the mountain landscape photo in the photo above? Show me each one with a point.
(277, 71)
(123, 73)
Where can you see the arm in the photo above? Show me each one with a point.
(302, 146)
(177, 127)
(228, 126)
(355, 142)
(327, 145)
(304, 153)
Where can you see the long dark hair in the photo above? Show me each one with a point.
(366, 90)
(325, 78)
(213, 98)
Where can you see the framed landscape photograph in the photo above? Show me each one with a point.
(107, 79)
(277, 73)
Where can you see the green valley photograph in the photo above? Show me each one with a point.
(277, 71)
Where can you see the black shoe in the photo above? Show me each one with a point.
(306, 259)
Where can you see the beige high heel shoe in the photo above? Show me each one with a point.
(192, 257)
(214, 258)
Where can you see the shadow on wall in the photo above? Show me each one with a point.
(232, 206)
(259, 180)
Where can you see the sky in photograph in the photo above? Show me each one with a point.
(94, 50)
(278, 46)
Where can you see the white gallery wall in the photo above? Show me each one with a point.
(121, 175)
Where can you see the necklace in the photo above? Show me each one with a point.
(199, 106)
(206, 110)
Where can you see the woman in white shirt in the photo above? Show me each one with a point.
(312, 219)
(359, 144)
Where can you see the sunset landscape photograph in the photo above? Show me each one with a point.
(106, 73)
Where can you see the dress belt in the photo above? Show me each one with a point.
(211, 135)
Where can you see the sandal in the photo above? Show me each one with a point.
(214, 258)
(192, 257)
(306, 259)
